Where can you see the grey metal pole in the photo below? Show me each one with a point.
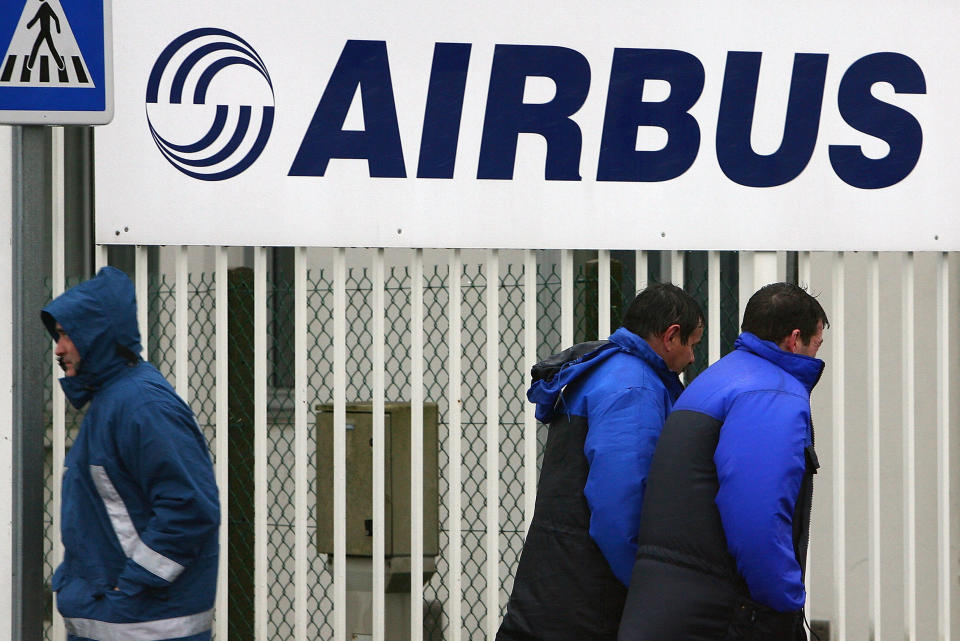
(31, 349)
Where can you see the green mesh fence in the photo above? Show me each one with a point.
(281, 449)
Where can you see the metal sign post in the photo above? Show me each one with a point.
(30, 260)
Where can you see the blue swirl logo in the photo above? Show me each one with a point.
(213, 141)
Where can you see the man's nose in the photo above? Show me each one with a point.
(59, 350)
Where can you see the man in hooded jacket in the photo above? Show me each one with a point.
(726, 516)
(605, 402)
(140, 510)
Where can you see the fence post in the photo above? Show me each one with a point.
(241, 455)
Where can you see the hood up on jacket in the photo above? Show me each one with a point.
(100, 317)
(552, 375)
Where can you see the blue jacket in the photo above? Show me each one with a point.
(605, 403)
(726, 517)
(140, 509)
(762, 395)
(625, 398)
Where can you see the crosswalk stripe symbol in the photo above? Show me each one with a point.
(43, 51)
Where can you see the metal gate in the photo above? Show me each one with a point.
(300, 328)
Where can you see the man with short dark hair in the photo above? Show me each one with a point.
(140, 508)
(726, 516)
(605, 402)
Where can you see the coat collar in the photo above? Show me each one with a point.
(805, 369)
(633, 344)
(553, 374)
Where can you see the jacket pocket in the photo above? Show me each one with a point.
(75, 596)
(752, 621)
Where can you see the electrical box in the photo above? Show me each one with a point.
(359, 486)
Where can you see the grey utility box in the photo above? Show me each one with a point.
(359, 490)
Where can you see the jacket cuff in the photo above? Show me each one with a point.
(752, 620)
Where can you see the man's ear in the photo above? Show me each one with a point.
(789, 344)
(670, 333)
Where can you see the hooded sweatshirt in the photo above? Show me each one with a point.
(140, 509)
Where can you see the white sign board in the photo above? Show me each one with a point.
(57, 62)
(656, 125)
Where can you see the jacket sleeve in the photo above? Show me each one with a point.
(168, 458)
(760, 466)
(623, 429)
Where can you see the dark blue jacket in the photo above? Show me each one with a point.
(605, 402)
(140, 509)
(726, 516)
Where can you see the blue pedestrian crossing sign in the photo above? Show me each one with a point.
(57, 65)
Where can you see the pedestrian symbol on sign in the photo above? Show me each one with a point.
(44, 15)
(43, 51)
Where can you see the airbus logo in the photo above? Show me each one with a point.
(216, 139)
(210, 104)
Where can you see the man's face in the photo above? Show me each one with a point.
(67, 354)
(681, 354)
(810, 348)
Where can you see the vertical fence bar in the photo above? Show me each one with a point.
(676, 267)
(909, 451)
(781, 266)
(58, 408)
(943, 445)
(839, 444)
(803, 279)
(260, 509)
(58, 210)
(804, 262)
(416, 446)
(640, 268)
(746, 283)
(493, 441)
(221, 327)
(803, 268)
(455, 443)
(529, 359)
(301, 409)
(182, 325)
(378, 353)
(713, 307)
(142, 276)
(100, 257)
(11, 164)
(603, 293)
(873, 439)
(677, 278)
(339, 443)
(766, 269)
(566, 298)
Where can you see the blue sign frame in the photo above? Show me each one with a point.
(89, 21)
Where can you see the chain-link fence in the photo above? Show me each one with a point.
(281, 454)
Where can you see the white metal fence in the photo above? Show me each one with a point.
(883, 559)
